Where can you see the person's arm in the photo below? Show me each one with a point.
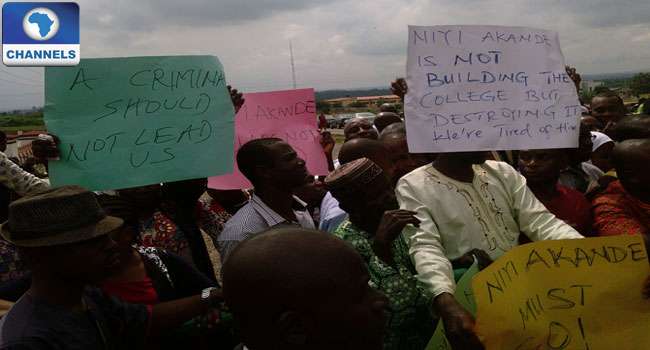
(327, 142)
(5, 305)
(435, 270)
(399, 87)
(187, 279)
(390, 226)
(172, 313)
(610, 220)
(19, 180)
(458, 322)
(425, 243)
(534, 219)
(14, 289)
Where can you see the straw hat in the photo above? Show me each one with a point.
(60, 215)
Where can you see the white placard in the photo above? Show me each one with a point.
(473, 88)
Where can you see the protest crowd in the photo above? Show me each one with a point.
(365, 257)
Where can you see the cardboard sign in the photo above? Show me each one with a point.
(289, 115)
(126, 122)
(565, 294)
(479, 88)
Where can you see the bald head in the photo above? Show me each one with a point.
(288, 263)
(384, 119)
(276, 279)
(403, 160)
(387, 107)
(366, 148)
(631, 155)
(395, 127)
(635, 126)
(385, 137)
(631, 159)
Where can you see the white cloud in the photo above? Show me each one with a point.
(340, 44)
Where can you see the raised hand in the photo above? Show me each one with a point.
(327, 141)
(237, 98)
(574, 76)
(399, 87)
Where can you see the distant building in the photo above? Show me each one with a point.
(589, 85)
(370, 100)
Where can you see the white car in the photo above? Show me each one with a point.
(364, 115)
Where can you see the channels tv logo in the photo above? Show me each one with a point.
(40, 34)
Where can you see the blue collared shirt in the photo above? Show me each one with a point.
(256, 217)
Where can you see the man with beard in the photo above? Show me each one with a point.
(374, 227)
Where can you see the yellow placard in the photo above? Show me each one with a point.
(567, 294)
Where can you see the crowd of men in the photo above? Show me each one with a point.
(366, 257)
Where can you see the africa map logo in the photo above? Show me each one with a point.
(41, 24)
(40, 34)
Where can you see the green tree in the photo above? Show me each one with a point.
(640, 83)
(600, 89)
(323, 107)
(586, 96)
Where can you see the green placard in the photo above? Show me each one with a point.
(132, 121)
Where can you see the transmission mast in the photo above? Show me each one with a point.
(293, 67)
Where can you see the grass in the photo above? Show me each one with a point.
(13, 130)
(338, 138)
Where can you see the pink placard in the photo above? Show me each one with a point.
(289, 115)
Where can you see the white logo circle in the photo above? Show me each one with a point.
(41, 24)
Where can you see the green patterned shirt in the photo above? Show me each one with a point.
(410, 323)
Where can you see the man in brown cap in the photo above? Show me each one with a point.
(374, 227)
(64, 235)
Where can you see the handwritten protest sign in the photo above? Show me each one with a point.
(566, 294)
(289, 115)
(465, 297)
(126, 122)
(477, 88)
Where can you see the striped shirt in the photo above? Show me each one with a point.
(256, 217)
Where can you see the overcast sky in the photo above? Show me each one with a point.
(336, 44)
